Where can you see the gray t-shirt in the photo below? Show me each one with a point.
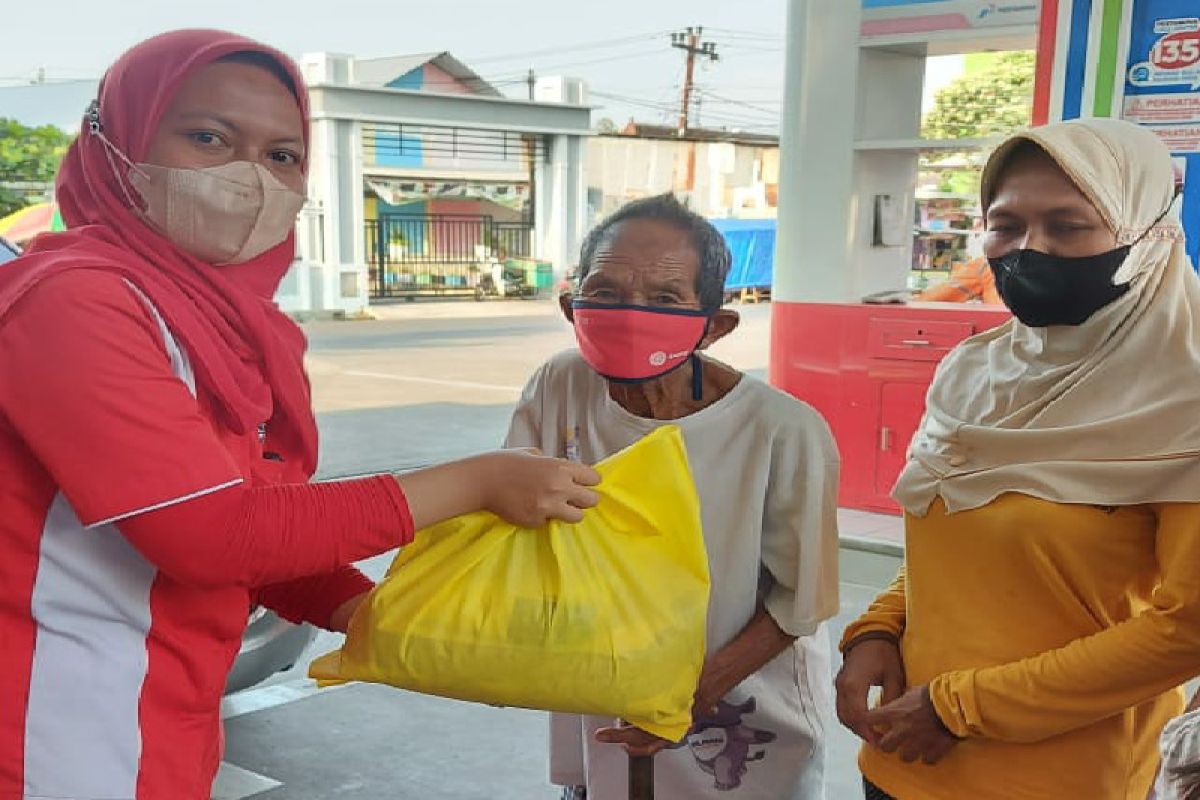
(766, 471)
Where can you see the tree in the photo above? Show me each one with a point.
(987, 103)
(27, 156)
(992, 102)
(606, 125)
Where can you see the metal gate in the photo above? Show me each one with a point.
(439, 254)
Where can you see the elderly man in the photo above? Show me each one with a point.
(648, 302)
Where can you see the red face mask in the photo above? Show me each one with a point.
(633, 344)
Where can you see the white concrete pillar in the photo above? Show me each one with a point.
(560, 214)
(544, 203)
(564, 214)
(355, 203)
(339, 181)
(296, 291)
(889, 96)
(577, 202)
(326, 191)
(817, 156)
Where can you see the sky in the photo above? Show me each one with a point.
(620, 47)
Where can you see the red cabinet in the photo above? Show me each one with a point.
(914, 339)
(900, 408)
(866, 369)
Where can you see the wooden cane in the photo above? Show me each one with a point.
(641, 778)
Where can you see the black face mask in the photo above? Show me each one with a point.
(1043, 290)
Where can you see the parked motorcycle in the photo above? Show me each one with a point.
(504, 281)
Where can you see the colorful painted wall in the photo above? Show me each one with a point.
(430, 78)
(399, 151)
(407, 151)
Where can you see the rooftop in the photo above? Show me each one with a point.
(643, 130)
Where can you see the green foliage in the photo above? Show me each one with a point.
(988, 102)
(963, 182)
(27, 155)
(991, 102)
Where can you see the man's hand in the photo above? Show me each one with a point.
(635, 740)
(759, 642)
(912, 728)
(871, 662)
(638, 742)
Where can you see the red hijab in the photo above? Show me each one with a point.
(247, 354)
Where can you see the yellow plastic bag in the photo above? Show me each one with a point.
(605, 617)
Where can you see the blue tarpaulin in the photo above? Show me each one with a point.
(752, 242)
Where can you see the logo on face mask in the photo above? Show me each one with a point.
(636, 343)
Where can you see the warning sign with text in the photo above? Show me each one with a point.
(1162, 90)
(1176, 108)
(1180, 139)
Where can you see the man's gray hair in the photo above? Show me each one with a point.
(709, 244)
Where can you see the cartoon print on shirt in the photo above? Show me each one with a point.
(571, 438)
(724, 746)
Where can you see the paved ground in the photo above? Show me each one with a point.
(423, 383)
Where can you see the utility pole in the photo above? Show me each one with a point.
(531, 79)
(690, 43)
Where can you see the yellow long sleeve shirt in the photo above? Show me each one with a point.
(1053, 637)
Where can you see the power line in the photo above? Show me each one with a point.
(748, 34)
(663, 108)
(746, 41)
(764, 95)
(520, 76)
(525, 55)
(743, 104)
(605, 60)
(748, 49)
(634, 101)
(745, 53)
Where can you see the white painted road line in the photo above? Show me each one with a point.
(491, 387)
(235, 783)
(279, 694)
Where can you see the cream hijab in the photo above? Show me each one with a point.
(1106, 413)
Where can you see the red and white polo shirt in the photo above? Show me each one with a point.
(112, 673)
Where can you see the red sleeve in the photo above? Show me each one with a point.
(314, 599)
(86, 383)
(273, 534)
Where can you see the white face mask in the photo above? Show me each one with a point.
(221, 215)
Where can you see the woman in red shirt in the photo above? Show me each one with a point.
(157, 435)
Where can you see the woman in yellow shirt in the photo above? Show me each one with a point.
(1049, 607)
